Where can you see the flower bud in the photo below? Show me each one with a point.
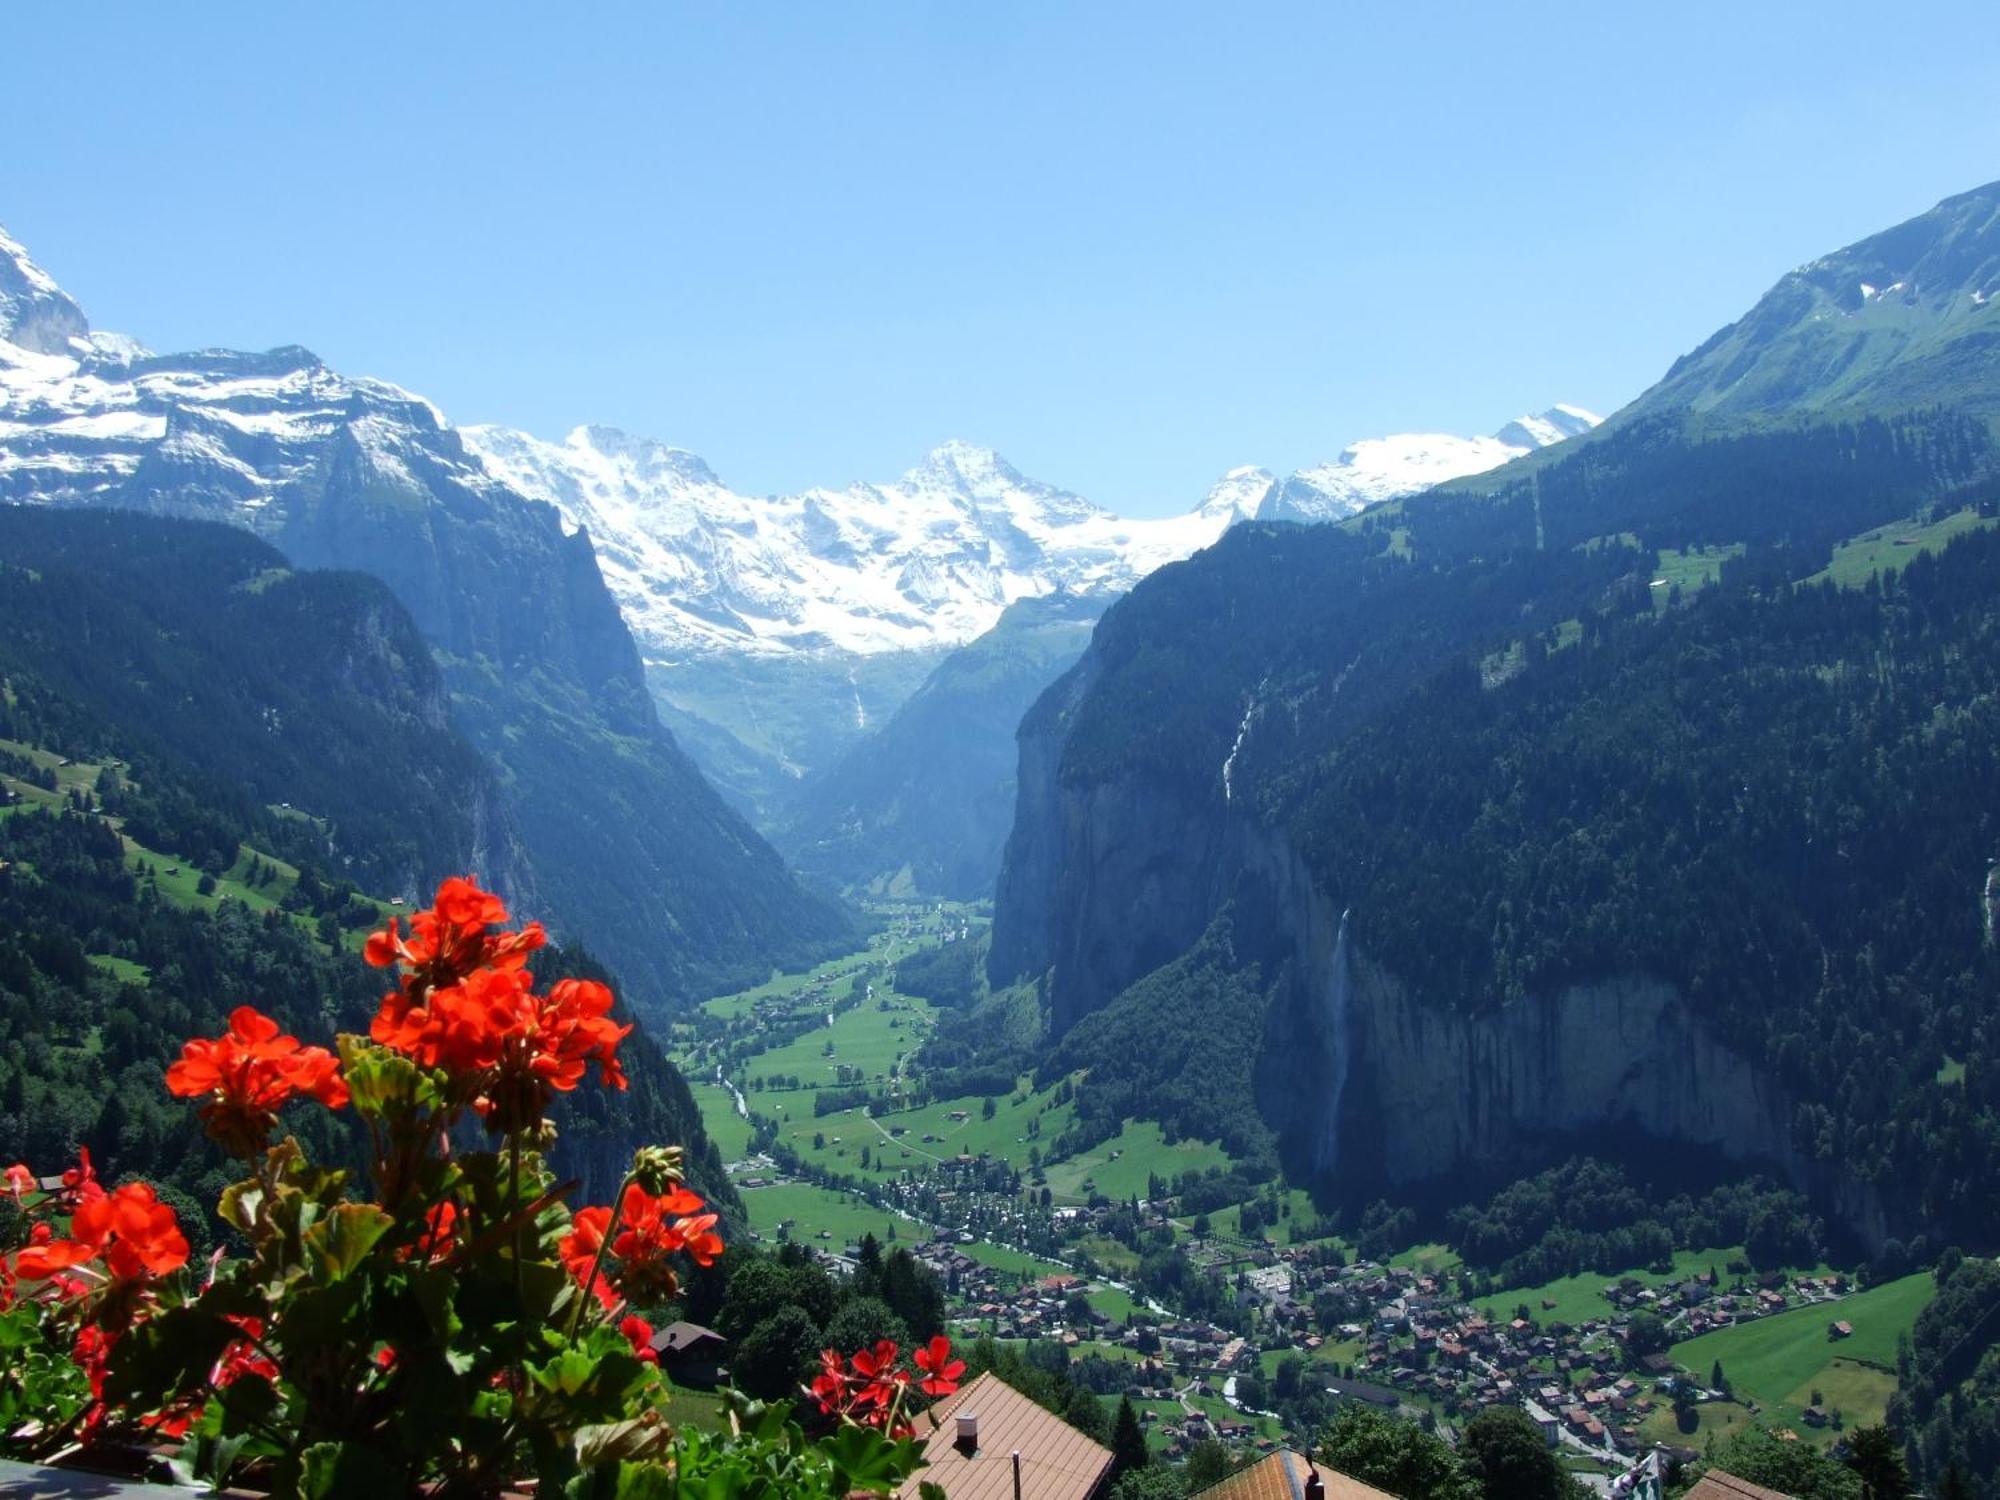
(657, 1169)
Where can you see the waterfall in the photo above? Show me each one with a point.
(1337, 1022)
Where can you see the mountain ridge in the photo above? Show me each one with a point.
(634, 850)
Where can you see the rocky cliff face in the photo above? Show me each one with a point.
(1365, 1084)
(1432, 1091)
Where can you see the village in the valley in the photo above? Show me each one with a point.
(1239, 1322)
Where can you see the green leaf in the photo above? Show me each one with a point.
(865, 1459)
(641, 1437)
(330, 1471)
(381, 1083)
(172, 1351)
(342, 1239)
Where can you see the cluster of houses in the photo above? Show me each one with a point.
(1412, 1341)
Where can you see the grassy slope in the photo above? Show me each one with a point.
(1779, 1361)
(1889, 549)
(1580, 1298)
(177, 881)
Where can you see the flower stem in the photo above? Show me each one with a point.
(597, 1260)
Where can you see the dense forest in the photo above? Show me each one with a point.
(169, 641)
(1180, 1047)
(1588, 1215)
(1785, 801)
(1338, 623)
(1948, 1382)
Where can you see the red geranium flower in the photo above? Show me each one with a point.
(450, 940)
(249, 1074)
(941, 1372)
(654, 1229)
(466, 1004)
(639, 1334)
(579, 1247)
(20, 1181)
(44, 1255)
(136, 1233)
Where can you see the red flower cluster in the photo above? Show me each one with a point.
(248, 1074)
(871, 1388)
(467, 1004)
(135, 1234)
(450, 940)
(650, 1231)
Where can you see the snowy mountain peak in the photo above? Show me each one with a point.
(1560, 421)
(926, 561)
(968, 462)
(1385, 468)
(655, 458)
(35, 313)
(1240, 494)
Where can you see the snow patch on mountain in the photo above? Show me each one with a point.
(1387, 468)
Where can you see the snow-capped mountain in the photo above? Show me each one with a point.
(627, 840)
(1387, 468)
(926, 561)
(775, 630)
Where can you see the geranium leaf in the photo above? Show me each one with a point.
(342, 1239)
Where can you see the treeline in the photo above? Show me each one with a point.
(1947, 1402)
(1587, 1215)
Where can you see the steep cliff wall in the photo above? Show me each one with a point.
(1363, 1082)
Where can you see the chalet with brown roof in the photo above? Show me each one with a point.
(1286, 1475)
(691, 1354)
(993, 1443)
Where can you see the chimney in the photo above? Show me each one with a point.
(1315, 1489)
(1017, 1474)
(968, 1431)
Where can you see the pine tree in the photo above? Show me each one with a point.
(1128, 1440)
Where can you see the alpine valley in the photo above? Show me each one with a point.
(1482, 922)
(782, 634)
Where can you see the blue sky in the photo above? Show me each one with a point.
(1130, 246)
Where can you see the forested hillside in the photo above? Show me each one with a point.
(211, 765)
(167, 641)
(1663, 708)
